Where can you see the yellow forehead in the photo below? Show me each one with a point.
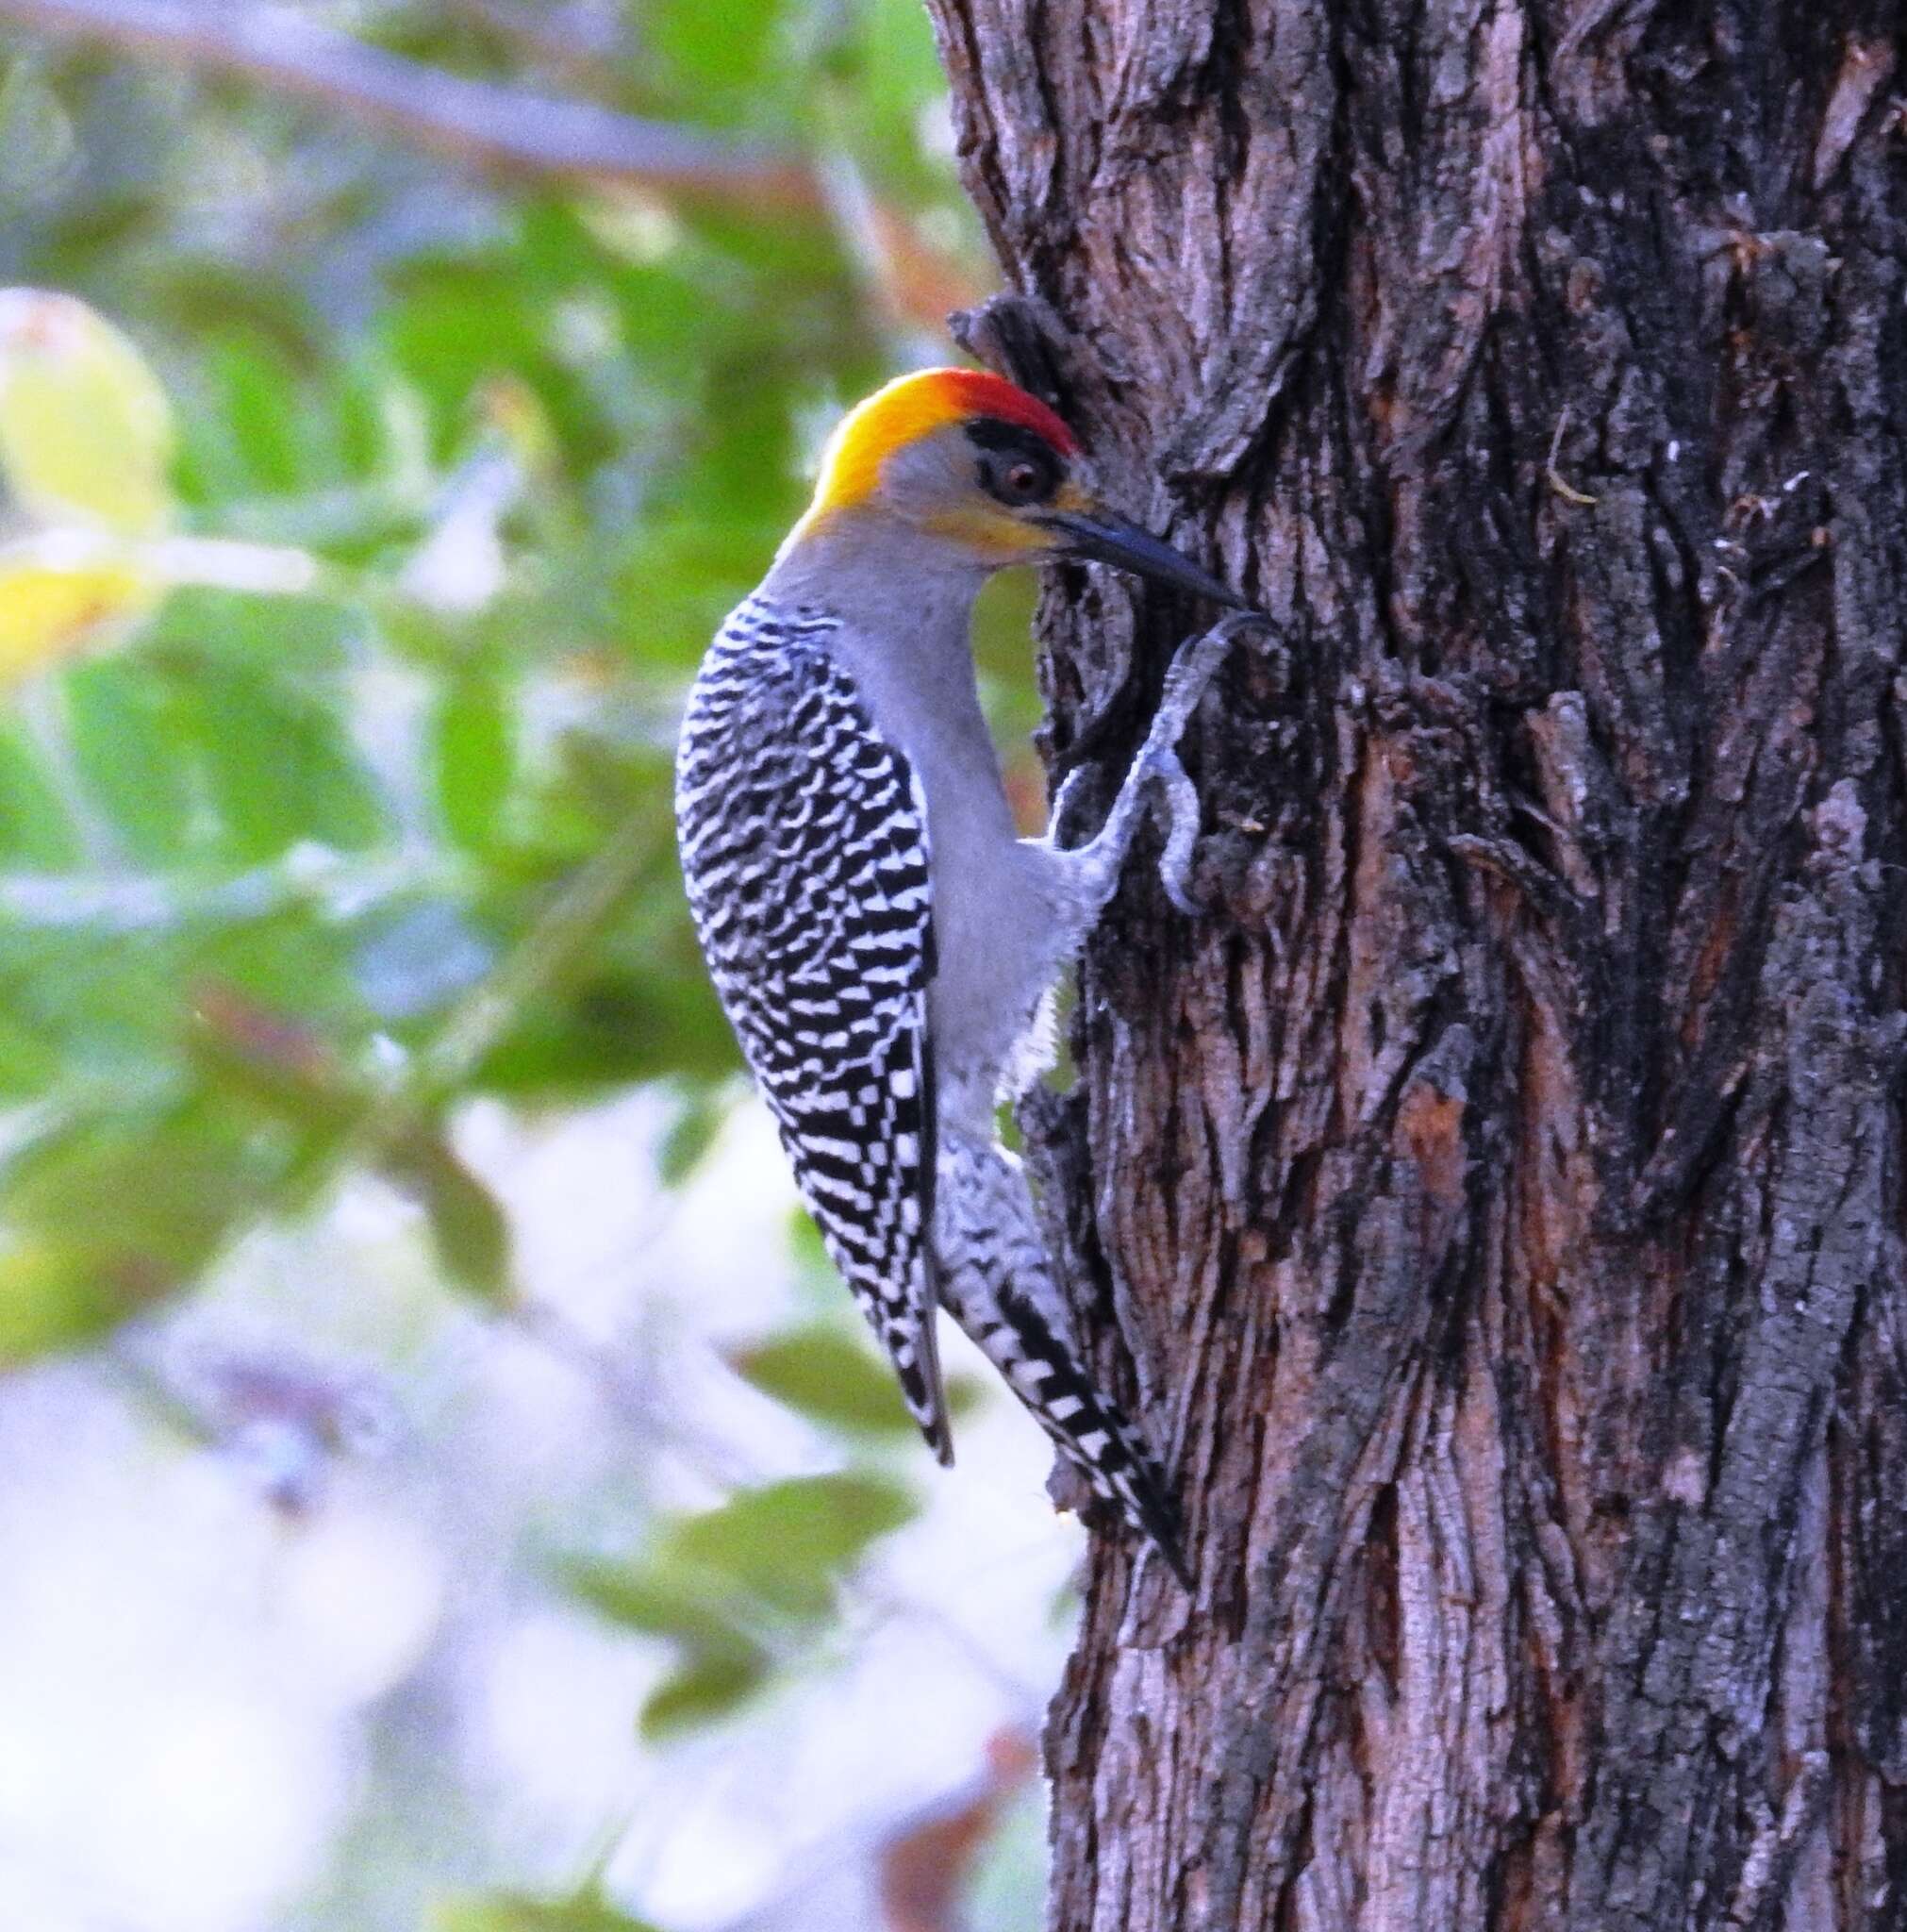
(908, 407)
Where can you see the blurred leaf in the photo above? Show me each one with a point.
(516, 1911)
(688, 1137)
(279, 1061)
(825, 1376)
(35, 829)
(85, 428)
(719, 1664)
(659, 1602)
(275, 457)
(289, 1069)
(27, 1061)
(709, 1686)
(48, 611)
(833, 1378)
(474, 745)
(59, 1296)
(262, 413)
(613, 1026)
(467, 1225)
(788, 1542)
(431, 335)
(105, 1217)
(279, 764)
(152, 1197)
(776, 1552)
(723, 53)
(124, 725)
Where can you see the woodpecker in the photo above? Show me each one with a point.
(882, 939)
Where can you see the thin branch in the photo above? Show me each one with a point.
(504, 127)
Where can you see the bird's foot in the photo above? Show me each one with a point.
(1194, 666)
(1178, 809)
(1158, 766)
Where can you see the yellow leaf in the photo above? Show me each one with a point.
(86, 432)
(48, 612)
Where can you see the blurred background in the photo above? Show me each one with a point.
(442, 1484)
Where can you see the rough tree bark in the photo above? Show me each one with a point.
(1501, 1189)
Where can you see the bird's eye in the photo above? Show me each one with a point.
(1015, 479)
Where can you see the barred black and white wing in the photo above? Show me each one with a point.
(803, 844)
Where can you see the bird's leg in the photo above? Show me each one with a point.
(1099, 863)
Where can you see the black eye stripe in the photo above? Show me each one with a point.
(1008, 438)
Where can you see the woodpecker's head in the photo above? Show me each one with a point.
(985, 474)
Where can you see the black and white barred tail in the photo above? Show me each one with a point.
(996, 1281)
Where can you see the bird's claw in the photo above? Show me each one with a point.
(1193, 667)
(1073, 788)
(1179, 798)
(1193, 663)
(1196, 660)
(1158, 764)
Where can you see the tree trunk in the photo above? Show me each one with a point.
(1500, 1187)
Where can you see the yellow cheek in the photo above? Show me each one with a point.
(991, 535)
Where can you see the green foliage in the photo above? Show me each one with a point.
(705, 1686)
(474, 752)
(335, 787)
(516, 1911)
(818, 1370)
(732, 1588)
(787, 1543)
(833, 1378)
(526, 462)
(35, 833)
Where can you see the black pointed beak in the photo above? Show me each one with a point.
(1103, 538)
